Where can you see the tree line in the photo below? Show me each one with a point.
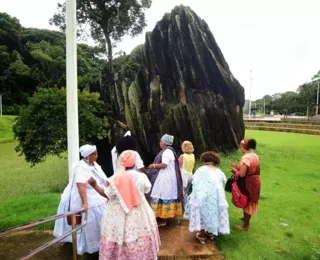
(35, 58)
(33, 74)
(303, 101)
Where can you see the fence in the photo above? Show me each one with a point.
(54, 241)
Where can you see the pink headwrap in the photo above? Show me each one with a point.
(128, 158)
(123, 184)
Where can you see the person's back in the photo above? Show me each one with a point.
(125, 143)
(188, 163)
(207, 207)
(129, 228)
(220, 180)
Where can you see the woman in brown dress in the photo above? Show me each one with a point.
(249, 169)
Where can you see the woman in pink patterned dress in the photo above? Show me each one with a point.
(129, 228)
(249, 169)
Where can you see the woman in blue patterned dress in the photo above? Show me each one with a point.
(207, 207)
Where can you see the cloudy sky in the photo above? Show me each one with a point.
(279, 40)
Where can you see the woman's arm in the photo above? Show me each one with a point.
(83, 195)
(180, 160)
(147, 187)
(243, 170)
(167, 156)
(143, 170)
(98, 189)
(157, 166)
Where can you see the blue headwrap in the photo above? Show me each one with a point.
(167, 139)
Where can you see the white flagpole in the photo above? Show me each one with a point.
(250, 94)
(317, 108)
(72, 85)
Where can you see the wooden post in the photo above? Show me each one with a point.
(74, 237)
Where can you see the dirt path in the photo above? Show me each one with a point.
(176, 243)
(15, 246)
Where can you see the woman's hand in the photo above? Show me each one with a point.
(234, 170)
(152, 166)
(85, 206)
(233, 165)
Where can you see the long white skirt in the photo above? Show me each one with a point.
(224, 227)
(87, 238)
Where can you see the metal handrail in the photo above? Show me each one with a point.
(52, 242)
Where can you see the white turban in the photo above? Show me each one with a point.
(87, 149)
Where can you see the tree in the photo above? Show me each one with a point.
(41, 128)
(32, 58)
(10, 28)
(108, 20)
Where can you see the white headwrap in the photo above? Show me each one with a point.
(87, 149)
(128, 133)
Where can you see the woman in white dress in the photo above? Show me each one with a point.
(79, 194)
(167, 200)
(129, 229)
(125, 143)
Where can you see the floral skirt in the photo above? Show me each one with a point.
(143, 248)
(251, 208)
(166, 208)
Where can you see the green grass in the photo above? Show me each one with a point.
(288, 217)
(6, 134)
(287, 220)
(29, 193)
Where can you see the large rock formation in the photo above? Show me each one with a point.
(179, 83)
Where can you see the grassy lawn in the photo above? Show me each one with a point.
(6, 134)
(29, 193)
(286, 226)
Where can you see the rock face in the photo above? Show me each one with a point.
(179, 83)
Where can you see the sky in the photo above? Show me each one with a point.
(279, 40)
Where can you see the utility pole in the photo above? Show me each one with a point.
(317, 108)
(72, 86)
(250, 94)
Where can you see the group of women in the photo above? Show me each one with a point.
(125, 210)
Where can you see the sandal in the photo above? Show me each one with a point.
(210, 235)
(242, 228)
(202, 240)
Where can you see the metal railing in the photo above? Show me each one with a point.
(54, 241)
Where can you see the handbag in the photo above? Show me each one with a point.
(238, 198)
(228, 187)
(240, 182)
